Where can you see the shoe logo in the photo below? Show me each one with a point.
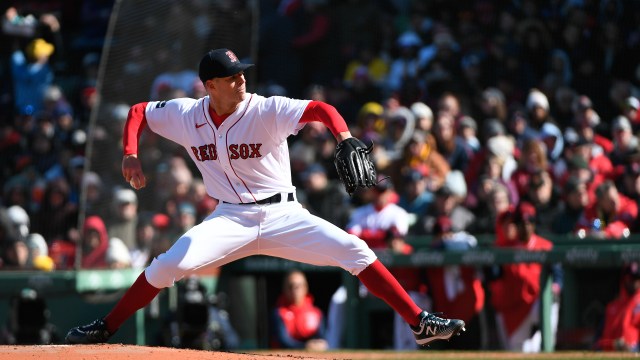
(430, 330)
(198, 126)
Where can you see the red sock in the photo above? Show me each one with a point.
(382, 284)
(138, 296)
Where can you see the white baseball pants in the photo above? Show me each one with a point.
(284, 230)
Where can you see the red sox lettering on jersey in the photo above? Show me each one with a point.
(236, 151)
(247, 156)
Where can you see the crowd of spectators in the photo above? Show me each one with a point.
(48, 63)
(473, 106)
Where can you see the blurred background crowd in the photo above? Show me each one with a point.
(481, 113)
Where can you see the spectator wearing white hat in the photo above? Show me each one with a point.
(94, 193)
(624, 142)
(631, 109)
(30, 250)
(38, 257)
(538, 110)
(20, 220)
(448, 202)
(122, 220)
(553, 139)
(468, 131)
(424, 116)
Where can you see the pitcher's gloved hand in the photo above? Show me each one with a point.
(353, 164)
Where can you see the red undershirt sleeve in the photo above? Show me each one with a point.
(136, 122)
(325, 113)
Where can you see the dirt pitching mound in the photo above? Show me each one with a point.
(130, 352)
(133, 352)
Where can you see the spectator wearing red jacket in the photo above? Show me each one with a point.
(533, 159)
(578, 168)
(611, 216)
(621, 328)
(95, 242)
(297, 322)
(515, 288)
(587, 120)
(598, 162)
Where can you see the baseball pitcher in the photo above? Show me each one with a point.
(238, 141)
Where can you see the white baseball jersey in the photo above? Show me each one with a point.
(367, 217)
(244, 160)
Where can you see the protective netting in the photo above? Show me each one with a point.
(151, 53)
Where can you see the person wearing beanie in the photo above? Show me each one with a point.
(122, 220)
(32, 74)
(538, 109)
(39, 258)
(39, 50)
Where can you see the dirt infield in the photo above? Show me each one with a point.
(122, 352)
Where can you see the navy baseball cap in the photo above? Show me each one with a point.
(220, 63)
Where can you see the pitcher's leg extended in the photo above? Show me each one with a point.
(307, 238)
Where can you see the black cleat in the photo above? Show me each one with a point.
(433, 328)
(94, 333)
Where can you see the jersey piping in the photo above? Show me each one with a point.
(229, 156)
(215, 143)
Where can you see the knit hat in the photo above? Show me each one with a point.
(19, 218)
(537, 98)
(524, 212)
(468, 121)
(421, 110)
(632, 102)
(39, 48)
(621, 123)
(371, 108)
(454, 184)
(125, 196)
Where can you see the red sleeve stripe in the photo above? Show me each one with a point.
(325, 113)
(136, 122)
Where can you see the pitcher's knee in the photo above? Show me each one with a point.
(357, 257)
(162, 273)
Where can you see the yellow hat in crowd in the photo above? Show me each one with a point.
(39, 48)
(371, 108)
(43, 263)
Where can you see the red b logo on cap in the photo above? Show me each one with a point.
(232, 56)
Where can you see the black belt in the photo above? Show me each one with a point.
(277, 198)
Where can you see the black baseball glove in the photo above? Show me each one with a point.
(353, 164)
